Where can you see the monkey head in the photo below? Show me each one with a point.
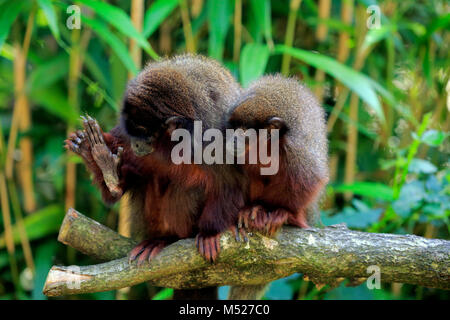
(156, 102)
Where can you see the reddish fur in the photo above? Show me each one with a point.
(286, 195)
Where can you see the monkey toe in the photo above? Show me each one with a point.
(208, 246)
(146, 251)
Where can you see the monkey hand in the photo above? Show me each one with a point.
(208, 246)
(105, 159)
(77, 142)
(258, 219)
(146, 250)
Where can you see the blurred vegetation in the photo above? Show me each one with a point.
(385, 89)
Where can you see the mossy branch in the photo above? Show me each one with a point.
(325, 256)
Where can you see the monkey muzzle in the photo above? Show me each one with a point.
(141, 147)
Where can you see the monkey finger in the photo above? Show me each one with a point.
(157, 249)
(217, 243)
(240, 221)
(213, 249)
(144, 256)
(74, 138)
(235, 231)
(69, 145)
(98, 132)
(80, 134)
(93, 130)
(201, 247)
(243, 234)
(136, 251)
(88, 131)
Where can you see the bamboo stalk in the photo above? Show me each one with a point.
(344, 37)
(321, 34)
(21, 122)
(187, 29)
(137, 17)
(25, 242)
(6, 215)
(237, 30)
(197, 6)
(352, 128)
(290, 31)
(165, 39)
(324, 13)
(352, 144)
(25, 165)
(74, 69)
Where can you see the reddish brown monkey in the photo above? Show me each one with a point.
(276, 102)
(171, 201)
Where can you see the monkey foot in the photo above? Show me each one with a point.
(208, 246)
(257, 219)
(146, 251)
(77, 143)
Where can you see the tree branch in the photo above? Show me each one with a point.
(325, 256)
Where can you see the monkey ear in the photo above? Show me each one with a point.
(276, 123)
(173, 123)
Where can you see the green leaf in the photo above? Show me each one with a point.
(218, 16)
(43, 262)
(39, 224)
(55, 102)
(8, 13)
(433, 138)
(356, 81)
(50, 14)
(48, 73)
(155, 15)
(120, 20)
(367, 189)
(262, 12)
(164, 294)
(376, 35)
(355, 218)
(421, 166)
(253, 62)
(118, 46)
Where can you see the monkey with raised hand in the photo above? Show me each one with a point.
(290, 194)
(173, 94)
(170, 201)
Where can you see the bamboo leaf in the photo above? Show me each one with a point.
(218, 15)
(120, 49)
(368, 189)
(8, 13)
(55, 102)
(38, 225)
(155, 15)
(253, 62)
(356, 81)
(50, 15)
(262, 13)
(120, 20)
(48, 73)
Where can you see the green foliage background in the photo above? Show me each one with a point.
(397, 76)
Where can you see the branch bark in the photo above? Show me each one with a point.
(325, 256)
